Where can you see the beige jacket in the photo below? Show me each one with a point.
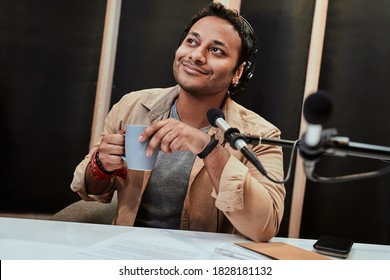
(247, 202)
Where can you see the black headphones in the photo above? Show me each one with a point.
(251, 61)
(247, 74)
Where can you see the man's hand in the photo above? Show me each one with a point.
(173, 135)
(111, 149)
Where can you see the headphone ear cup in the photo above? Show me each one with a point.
(248, 73)
(251, 62)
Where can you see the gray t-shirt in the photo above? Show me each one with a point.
(163, 199)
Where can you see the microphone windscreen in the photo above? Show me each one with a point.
(213, 114)
(317, 108)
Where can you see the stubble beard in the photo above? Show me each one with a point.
(193, 87)
(187, 84)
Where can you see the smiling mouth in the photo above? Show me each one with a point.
(190, 68)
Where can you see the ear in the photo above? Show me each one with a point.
(237, 75)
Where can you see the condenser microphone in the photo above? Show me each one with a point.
(317, 110)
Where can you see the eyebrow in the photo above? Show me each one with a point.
(217, 42)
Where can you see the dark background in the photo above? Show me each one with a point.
(49, 59)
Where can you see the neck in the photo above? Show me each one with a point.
(193, 110)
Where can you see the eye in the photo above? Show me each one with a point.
(216, 51)
(191, 42)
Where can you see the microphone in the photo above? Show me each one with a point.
(217, 119)
(317, 110)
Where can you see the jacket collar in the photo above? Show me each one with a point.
(160, 104)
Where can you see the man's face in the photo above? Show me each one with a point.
(205, 61)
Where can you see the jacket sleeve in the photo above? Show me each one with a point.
(253, 203)
(79, 182)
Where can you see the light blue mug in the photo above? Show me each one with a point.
(135, 151)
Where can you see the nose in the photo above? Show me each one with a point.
(198, 55)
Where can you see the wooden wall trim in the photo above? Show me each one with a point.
(106, 68)
(231, 4)
(311, 86)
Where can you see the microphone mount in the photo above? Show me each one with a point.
(231, 135)
(341, 146)
(257, 139)
(331, 145)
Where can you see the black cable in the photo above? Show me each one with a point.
(347, 178)
(256, 162)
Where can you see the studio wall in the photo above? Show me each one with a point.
(355, 72)
(49, 59)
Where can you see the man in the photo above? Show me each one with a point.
(199, 182)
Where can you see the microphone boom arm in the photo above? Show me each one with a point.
(332, 146)
(341, 146)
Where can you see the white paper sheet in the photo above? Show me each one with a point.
(157, 244)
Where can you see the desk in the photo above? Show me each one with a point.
(30, 239)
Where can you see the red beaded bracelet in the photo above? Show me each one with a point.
(99, 173)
